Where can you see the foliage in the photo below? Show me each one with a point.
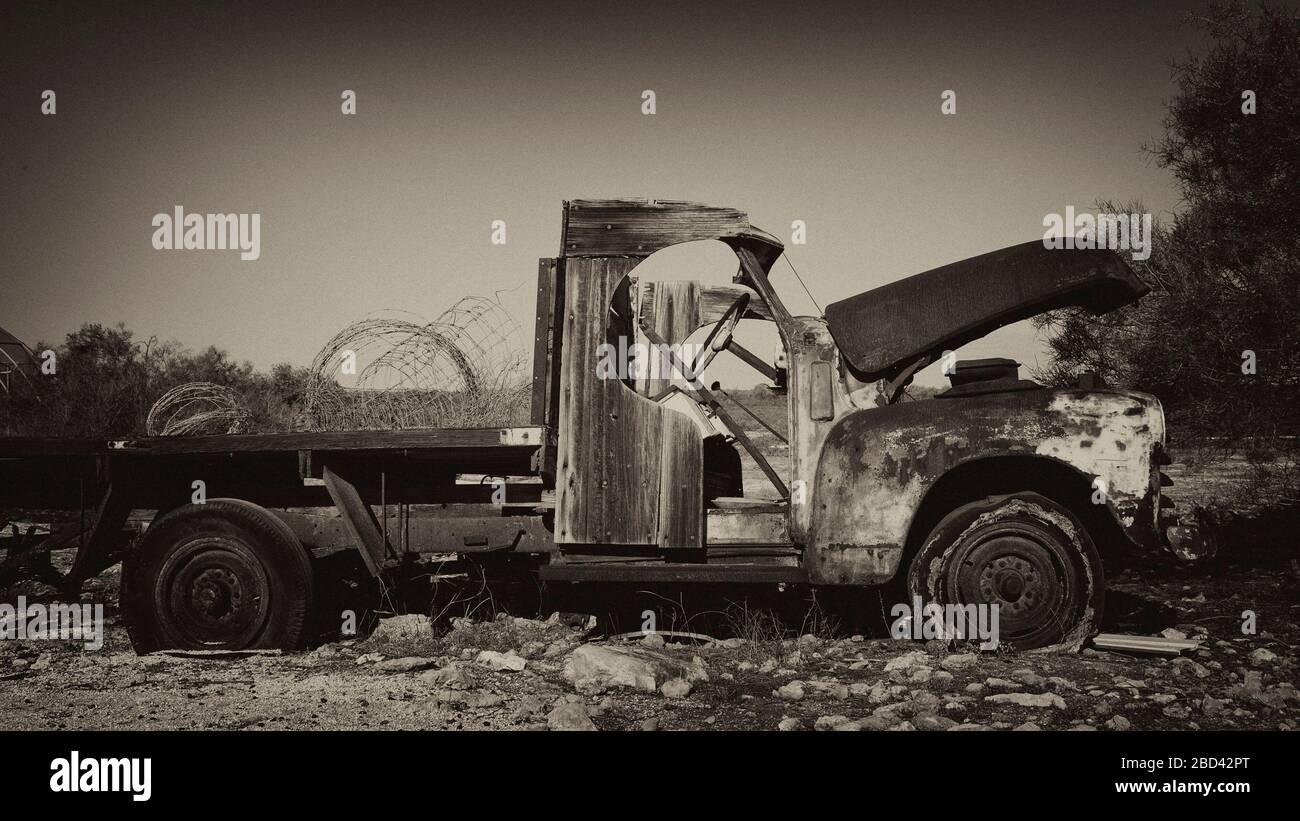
(1225, 269)
(105, 381)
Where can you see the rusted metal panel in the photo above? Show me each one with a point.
(882, 331)
(742, 526)
(359, 520)
(674, 573)
(821, 391)
(324, 531)
(809, 343)
(96, 551)
(876, 466)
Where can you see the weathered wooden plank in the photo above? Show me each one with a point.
(672, 308)
(715, 300)
(594, 276)
(641, 227)
(632, 504)
(571, 478)
(17, 447)
(417, 439)
(545, 339)
(681, 492)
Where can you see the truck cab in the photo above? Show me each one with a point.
(998, 491)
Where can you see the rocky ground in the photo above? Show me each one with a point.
(557, 673)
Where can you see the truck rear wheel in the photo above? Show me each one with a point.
(1023, 552)
(225, 575)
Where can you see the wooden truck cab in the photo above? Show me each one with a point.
(634, 450)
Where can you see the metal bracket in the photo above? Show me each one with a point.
(360, 520)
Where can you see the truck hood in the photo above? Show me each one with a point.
(882, 331)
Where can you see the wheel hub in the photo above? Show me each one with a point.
(213, 591)
(1011, 582)
(217, 593)
(1014, 571)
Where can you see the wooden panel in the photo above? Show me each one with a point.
(675, 309)
(681, 491)
(641, 227)
(416, 439)
(714, 302)
(672, 308)
(611, 440)
(571, 479)
(546, 343)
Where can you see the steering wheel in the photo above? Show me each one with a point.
(719, 337)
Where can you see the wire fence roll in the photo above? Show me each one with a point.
(392, 370)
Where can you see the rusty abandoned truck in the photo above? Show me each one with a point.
(996, 491)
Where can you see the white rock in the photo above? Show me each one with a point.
(791, 692)
(829, 722)
(502, 661)
(1262, 656)
(594, 667)
(407, 664)
(399, 628)
(907, 661)
(676, 688)
(1028, 699)
(570, 716)
(959, 661)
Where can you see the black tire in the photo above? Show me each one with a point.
(225, 575)
(1024, 552)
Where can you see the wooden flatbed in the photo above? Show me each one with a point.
(423, 439)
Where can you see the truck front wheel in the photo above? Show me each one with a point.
(225, 575)
(1024, 553)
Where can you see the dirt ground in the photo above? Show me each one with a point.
(516, 673)
(562, 673)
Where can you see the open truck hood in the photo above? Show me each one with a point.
(882, 331)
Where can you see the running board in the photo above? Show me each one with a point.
(646, 572)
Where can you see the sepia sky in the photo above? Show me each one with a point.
(827, 113)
